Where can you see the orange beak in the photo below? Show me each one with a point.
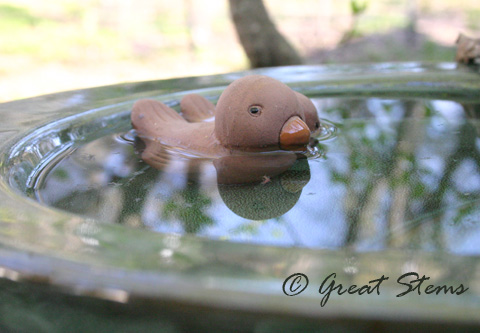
(295, 134)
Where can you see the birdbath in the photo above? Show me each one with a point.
(376, 224)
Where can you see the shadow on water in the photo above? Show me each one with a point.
(400, 173)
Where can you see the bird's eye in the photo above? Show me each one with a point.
(255, 110)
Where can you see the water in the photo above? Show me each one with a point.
(396, 173)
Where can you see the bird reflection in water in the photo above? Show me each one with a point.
(255, 186)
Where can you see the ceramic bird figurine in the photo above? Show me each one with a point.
(254, 113)
(196, 108)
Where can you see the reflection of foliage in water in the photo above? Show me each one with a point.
(385, 176)
(188, 205)
(253, 227)
(396, 169)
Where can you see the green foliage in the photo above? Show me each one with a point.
(14, 17)
(358, 7)
(473, 19)
(22, 33)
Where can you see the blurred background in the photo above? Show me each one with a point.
(56, 45)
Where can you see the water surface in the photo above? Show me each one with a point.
(398, 173)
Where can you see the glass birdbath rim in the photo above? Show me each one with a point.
(81, 256)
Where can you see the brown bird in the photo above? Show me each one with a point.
(254, 113)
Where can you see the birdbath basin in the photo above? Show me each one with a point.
(386, 205)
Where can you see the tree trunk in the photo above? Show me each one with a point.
(262, 43)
